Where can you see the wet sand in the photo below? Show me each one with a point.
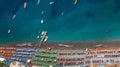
(72, 45)
(84, 45)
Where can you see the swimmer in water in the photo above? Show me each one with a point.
(107, 31)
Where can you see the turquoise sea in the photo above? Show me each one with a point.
(88, 20)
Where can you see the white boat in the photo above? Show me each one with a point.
(42, 32)
(46, 38)
(25, 5)
(9, 31)
(51, 3)
(75, 2)
(38, 2)
(14, 16)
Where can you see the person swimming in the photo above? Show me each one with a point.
(107, 31)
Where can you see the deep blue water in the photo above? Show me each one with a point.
(89, 20)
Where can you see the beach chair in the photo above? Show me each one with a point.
(69, 59)
(87, 61)
(97, 60)
(68, 53)
(73, 53)
(80, 58)
(61, 59)
(111, 65)
(62, 53)
(87, 65)
(95, 65)
(69, 63)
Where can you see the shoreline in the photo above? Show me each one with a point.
(68, 45)
(91, 45)
(66, 41)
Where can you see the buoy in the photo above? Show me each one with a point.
(9, 31)
(42, 21)
(38, 2)
(14, 16)
(25, 5)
